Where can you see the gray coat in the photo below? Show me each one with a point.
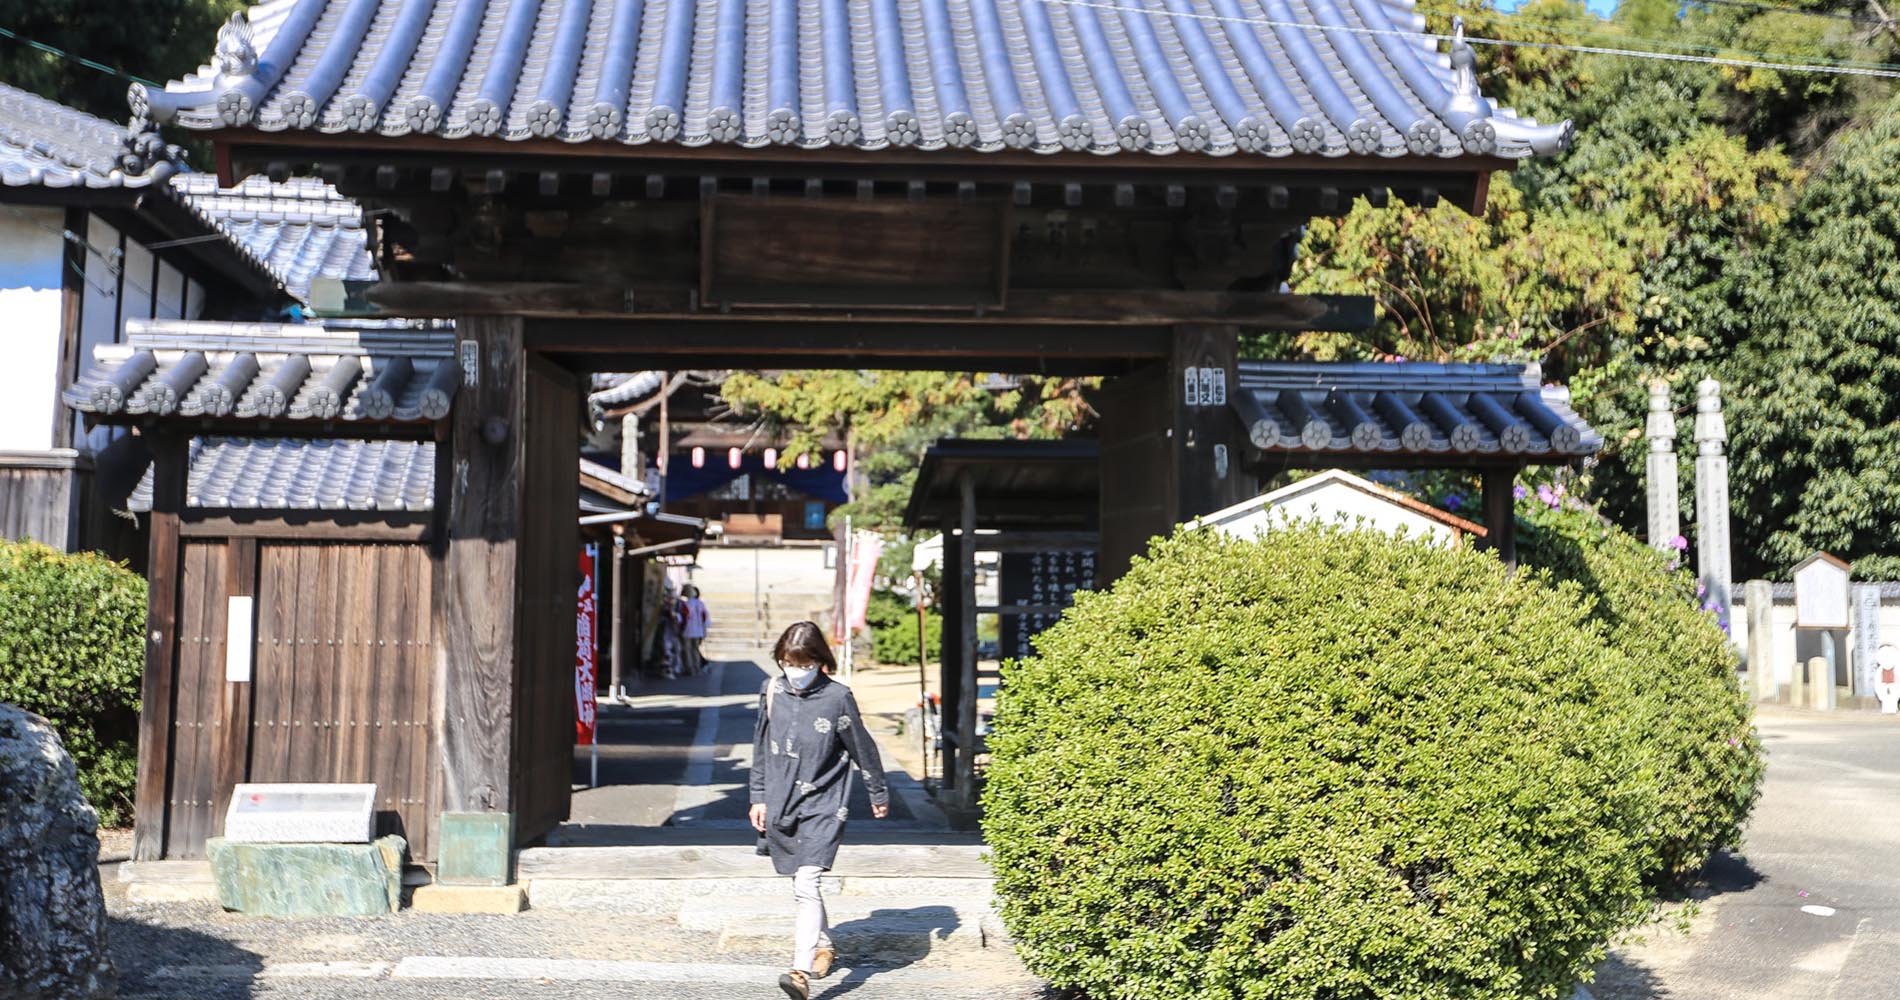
(802, 752)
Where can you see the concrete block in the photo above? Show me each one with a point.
(468, 899)
(476, 849)
(308, 880)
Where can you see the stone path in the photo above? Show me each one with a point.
(1810, 908)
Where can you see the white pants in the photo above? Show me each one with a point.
(811, 930)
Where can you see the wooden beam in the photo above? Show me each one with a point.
(1209, 443)
(1039, 541)
(1024, 306)
(305, 525)
(475, 648)
(950, 657)
(847, 344)
(169, 459)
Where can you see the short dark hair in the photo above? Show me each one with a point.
(807, 641)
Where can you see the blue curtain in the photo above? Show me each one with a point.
(684, 482)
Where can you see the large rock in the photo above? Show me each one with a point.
(52, 914)
(308, 880)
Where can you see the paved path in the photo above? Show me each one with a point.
(1810, 909)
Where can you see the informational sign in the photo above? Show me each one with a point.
(1204, 386)
(1867, 639)
(301, 814)
(1820, 592)
(585, 629)
(1045, 581)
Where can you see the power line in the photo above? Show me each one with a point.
(1886, 70)
(1554, 26)
(81, 60)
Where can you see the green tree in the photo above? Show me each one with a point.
(156, 39)
(890, 417)
(1815, 394)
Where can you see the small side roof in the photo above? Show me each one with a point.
(1342, 478)
(1018, 485)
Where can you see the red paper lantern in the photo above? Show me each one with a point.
(837, 460)
(732, 457)
(804, 461)
(699, 458)
(771, 458)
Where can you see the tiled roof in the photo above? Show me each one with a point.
(47, 144)
(1410, 407)
(286, 474)
(1332, 77)
(299, 230)
(266, 371)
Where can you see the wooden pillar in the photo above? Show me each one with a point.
(950, 658)
(476, 602)
(231, 739)
(615, 645)
(966, 688)
(1172, 447)
(1500, 512)
(1208, 437)
(170, 456)
(72, 299)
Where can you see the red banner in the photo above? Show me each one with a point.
(585, 627)
(865, 549)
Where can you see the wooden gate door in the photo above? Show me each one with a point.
(340, 681)
(343, 675)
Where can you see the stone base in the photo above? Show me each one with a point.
(308, 880)
(469, 899)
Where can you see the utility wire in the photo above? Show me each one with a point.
(1887, 70)
(81, 60)
(1558, 27)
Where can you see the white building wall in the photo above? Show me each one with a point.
(31, 253)
(1335, 503)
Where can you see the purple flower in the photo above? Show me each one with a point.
(1519, 492)
(1552, 498)
(1453, 501)
(1679, 543)
(1701, 590)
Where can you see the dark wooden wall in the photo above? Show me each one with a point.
(341, 681)
(41, 504)
(548, 565)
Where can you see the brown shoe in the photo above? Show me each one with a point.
(795, 985)
(821, 962)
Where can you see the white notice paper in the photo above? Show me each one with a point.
(237, 640)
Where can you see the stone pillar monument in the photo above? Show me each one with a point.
(1663, 495)
(1711, 497)
(1759, 597)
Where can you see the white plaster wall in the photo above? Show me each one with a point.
(1334, 503)
(31, 253)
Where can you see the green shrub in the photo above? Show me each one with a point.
(72, 650)
(1698, 722)
(1326, 764)
(893, 621)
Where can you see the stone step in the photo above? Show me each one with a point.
(884, 940)
(723, 913)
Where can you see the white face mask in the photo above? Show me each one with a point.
(799, 678)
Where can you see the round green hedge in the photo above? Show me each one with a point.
(1698, 725)
(72, 649)
(1326, 764)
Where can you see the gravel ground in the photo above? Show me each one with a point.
(198, 952)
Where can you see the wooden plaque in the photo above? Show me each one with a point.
(771, 252)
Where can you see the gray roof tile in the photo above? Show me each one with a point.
(299, 230)
(1331, 77)
(47, 144)
(1410, 407)
(290, 474)
(270, 371)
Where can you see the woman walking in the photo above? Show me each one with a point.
(808, 736)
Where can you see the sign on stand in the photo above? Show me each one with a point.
(301, 814)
